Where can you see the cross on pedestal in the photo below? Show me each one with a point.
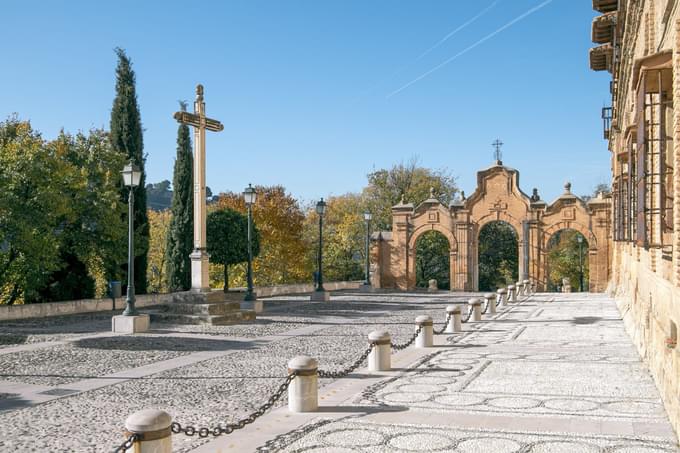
(199, 257)
(497, 144)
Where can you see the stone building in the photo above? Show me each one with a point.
(639, 44)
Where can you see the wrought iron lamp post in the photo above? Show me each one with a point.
(367, 218)
(579, 238)
(249, 195)
(321, 210)
(131, 177)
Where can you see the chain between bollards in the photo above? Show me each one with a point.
(348, 370)
(190, 430)
(468, 316)
(399, 347)
(446, 323)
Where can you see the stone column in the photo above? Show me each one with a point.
(303, 391)
(454, 325)
(200, 280)
(379, 359)
(153, 428)
(476, 306)
(425, 338)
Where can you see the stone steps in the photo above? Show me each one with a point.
(214, 308)
(233, 317)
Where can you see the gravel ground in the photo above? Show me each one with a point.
(220, 390)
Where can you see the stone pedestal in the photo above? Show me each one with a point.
(432, 286)
(200, 279)
(425, 338)
(512, 294)
(502, 298)
(476, 307)
(379, 359)
(154, 427)
(491, 303)
(255, 305)
(320, 296)
(454, 325)
(130, 324)
(303, 391)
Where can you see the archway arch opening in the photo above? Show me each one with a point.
(567, 261)
(433, 253)
(498, 255)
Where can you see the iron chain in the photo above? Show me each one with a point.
(469, 314)
(190, 430)
(399, 347)
(346, 371)
(446, 323)
(125, 446)
(486, 305)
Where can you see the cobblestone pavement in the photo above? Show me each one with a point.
(67, 383)
(554, 373)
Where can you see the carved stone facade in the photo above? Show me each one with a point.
(498, 197)
(643, 129)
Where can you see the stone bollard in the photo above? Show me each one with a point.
(153, 427)
(512, 295)
(454, 325)
(502, 298)
(476, 306)
(491, 301)
(519, 289)
(303, 391)
(432, 286)
(527, 286)
(425, 338)
(380, 357)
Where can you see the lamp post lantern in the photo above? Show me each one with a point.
(367, 218)
(131, 177)
(249, 195)
(579, 238)
(321, 210)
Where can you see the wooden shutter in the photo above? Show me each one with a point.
(641, 227)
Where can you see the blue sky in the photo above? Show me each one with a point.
(308, 91)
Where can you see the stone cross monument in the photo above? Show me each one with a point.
(199, 258)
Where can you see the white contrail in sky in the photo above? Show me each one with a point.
(439, 43)
(467, 49)
(459, 28)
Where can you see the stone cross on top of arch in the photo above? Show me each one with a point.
(497, 154)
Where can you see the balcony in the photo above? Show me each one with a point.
(606, 121)
(605, 6)
(604, 27)
(601, 57)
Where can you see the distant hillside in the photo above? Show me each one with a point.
(159, 195)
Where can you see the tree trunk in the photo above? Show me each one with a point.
(226, 278)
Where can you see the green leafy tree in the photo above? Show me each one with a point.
(228, 239)
(433, 260)
(181, 234)
(498, 256)
(344, 234)
(93, 228)
(31, 211)
(159, 195)
(126, 138)
(386, 187)
(564, 260)
(280, 223)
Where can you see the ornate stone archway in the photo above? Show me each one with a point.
(497, 197)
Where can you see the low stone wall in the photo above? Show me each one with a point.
(650, 307)
(10, 312)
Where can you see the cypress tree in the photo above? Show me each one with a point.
(126, 137)
(181, 232)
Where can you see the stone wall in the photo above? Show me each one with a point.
(10, 312)
(649, 305)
